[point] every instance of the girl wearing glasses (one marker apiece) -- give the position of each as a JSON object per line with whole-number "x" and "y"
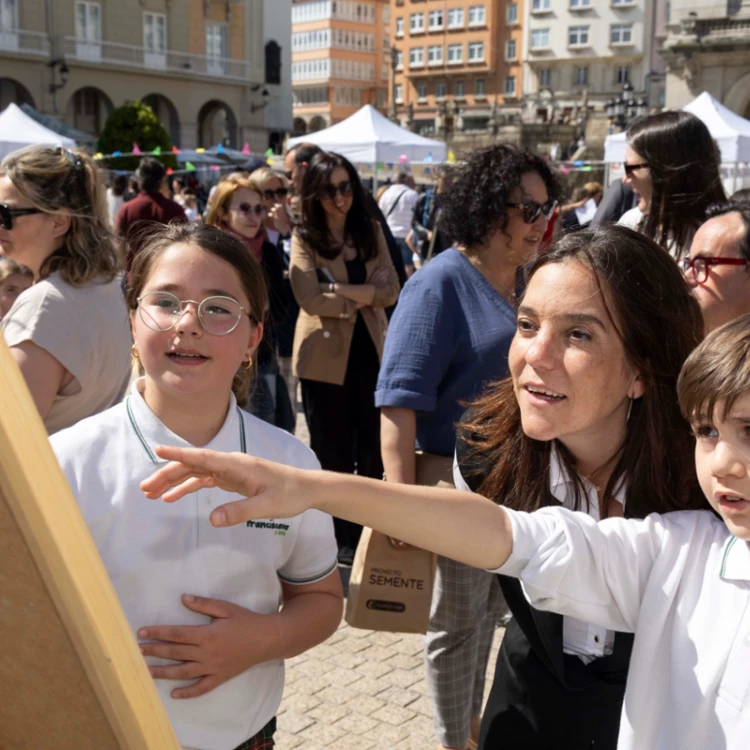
{"x": 343, "y": 278}
{"x": 672, "y": 163}
{"x": 69, "y": 333}
{"x": 449, "y": 337}
{"x": 204, "y": 605}
{"x": 237, "y": 208}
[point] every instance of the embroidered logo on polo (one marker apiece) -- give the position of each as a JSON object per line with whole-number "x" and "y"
{"x": 279, "y": 529}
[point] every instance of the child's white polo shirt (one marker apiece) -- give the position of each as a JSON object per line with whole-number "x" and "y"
{"x": 681, "y": 583}
{"x": 154, "y": 551}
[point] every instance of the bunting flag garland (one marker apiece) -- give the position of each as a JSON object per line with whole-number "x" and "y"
{"x": 402, "y": 159}
{"x": 268, "y": 152}
{"x": 220, "y": 149}
{"x": 215, "y": 168}
{"x": 157, "y": 151}
{"x": 117, "y": 153}
{"x": 98, "y": 156}
{"x": 200, "y": 150}
{"x": 451, "y": 157}
{"x": 170, "y": 170}
{"x": 246, "y": 149}
{"x": 428, "y": 159}
{"x": 136, "y": 150}
{"x": 189, "y": 166}
{"x": 175, "y": 150}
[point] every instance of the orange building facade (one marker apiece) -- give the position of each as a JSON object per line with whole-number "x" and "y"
{"x": 340, "y": 60}
{"x": 459, "y": 64}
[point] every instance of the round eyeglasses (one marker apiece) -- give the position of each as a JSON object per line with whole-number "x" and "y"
{"x": 699, "y": 265}
{"x": 219, "y": 316}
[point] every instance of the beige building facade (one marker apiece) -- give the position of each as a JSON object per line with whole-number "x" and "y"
{"x": 340, "y": 60}
{"x": 459, "y": 65}
{"x": 198, "y": 63}
{"x": 707, "y": 48}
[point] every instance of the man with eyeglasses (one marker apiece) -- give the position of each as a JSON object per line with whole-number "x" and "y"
{"x": 718, "y": 267}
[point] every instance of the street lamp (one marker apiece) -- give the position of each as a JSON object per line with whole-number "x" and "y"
{"x": 625, "y": 108}
{"x": 257, "y": 107}
{"x": 58, "y": 65}
{"x": 394, "y": 65}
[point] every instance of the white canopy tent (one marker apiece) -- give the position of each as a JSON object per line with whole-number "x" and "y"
{"x": 730, "y": 131}
{"x": 17, "y": 130}
{"x": 369, "y": 137}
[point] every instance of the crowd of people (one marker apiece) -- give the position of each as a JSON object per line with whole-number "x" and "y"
{"x": 561, "y": 376}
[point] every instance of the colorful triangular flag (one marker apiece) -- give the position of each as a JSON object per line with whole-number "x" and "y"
{"x": 220, "y": 149}
{"x": 170, "y": 170}
{"x": 200, "y": 150}
{"x": 117, "y": 153}
{"x": 246, "y": 149}
{"x": 157, "y": 151}
{"x": 268, "y": 152}
{"x": 189, "y": 166}
{"x": 214, "y": 167}
{"x": 136, "y": 150}
{"x": 175, "y": 150}
{"x": 98, "y": 156}
{"x": 451, "y": 157}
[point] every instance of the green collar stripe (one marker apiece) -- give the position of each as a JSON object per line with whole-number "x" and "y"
{"x": 147, "y": 448}
{"x": 138, "y": 432}
{"x": 726, "y": 554}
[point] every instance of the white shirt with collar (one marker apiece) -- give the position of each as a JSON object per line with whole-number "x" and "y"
{"x": 681, "y": 583}
{"x": 580, "y": 638}
{"x": 154, "y": 551}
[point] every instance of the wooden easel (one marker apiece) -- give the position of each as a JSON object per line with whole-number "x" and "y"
{"x": 71, "y": 674}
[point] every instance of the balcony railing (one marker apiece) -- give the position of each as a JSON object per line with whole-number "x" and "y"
{"x": 171, "y": 61}
{"x": 25, "y": 42}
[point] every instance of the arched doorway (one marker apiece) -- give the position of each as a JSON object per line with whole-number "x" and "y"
{"x": 167, "y": 114}
{"x": 317, "y": 123}
{"x": 217, "y": 124}
{"x": 12, "y": 92}
{"x": 300, "y": 126}
{"x": 88, "y": 110}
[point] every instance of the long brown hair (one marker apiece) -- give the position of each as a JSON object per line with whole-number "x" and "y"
{"x": 313, "y": 229}
{"x": 59, "y": 180}
{"x": 659, "y": 324}
{"x": 218, "y": 243}
{"x": 683, "y": 162}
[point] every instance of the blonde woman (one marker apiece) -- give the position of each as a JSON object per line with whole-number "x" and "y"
{"x": 237, "y": 208}
{"x": 69, "y": 333}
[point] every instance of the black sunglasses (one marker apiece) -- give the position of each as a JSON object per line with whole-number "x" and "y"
{"x": 630, "y": 168}
{"x": 7, "y": 214}
{"x": 278, "y": 193}
{"x": 344, "y": 188}
{"x": 533, "y": 210}
{"x": 246, "y": 208}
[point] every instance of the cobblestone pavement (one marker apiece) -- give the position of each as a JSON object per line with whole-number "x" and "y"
{"x": 360, "y": 690}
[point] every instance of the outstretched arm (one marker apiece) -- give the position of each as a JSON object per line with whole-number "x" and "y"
{"x": 459, "y": 525}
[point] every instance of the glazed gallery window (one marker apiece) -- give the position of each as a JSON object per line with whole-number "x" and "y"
{"x": 578, "y": 36}
{"x": 476, "y": 51}
{"x": 455, "y": 54}
{"x": 540, "y": 39}
{"x": 416, "y": 23}
{"x": 477, "y": 16}
{"x": 456, "y": 18}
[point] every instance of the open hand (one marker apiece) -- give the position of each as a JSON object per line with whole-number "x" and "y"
{"x": 235, "y": 640}
{"x": 270, "y": 490}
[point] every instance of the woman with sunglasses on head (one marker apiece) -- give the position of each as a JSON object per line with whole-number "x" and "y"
{"x": 449, "y": 337}
{"x": 672, "y": 163}
{"x": 69, "y": 333}
{"x": 343, "y": 278}
{"x": 237, "y": 208}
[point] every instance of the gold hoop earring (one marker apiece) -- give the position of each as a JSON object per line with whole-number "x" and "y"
{"x": 247, "y": 365}
{"x": 134, "y": 352}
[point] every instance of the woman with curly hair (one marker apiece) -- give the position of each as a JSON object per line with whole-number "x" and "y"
{"x": 69, "y": 333}
{"x": 450, "y": 336}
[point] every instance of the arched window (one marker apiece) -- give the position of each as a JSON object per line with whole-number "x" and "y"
{"x": 273, "y": 62}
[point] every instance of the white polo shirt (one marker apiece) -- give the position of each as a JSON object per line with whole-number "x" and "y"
{"x": 154, "y": 551}
{"x": 681, "y": 583}
{"x": 581, "y": 639}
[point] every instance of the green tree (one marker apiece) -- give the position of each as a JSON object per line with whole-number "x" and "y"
{"x": 134, "y": 122}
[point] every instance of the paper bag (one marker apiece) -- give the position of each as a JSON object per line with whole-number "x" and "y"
{"x": 390, "y": 589}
